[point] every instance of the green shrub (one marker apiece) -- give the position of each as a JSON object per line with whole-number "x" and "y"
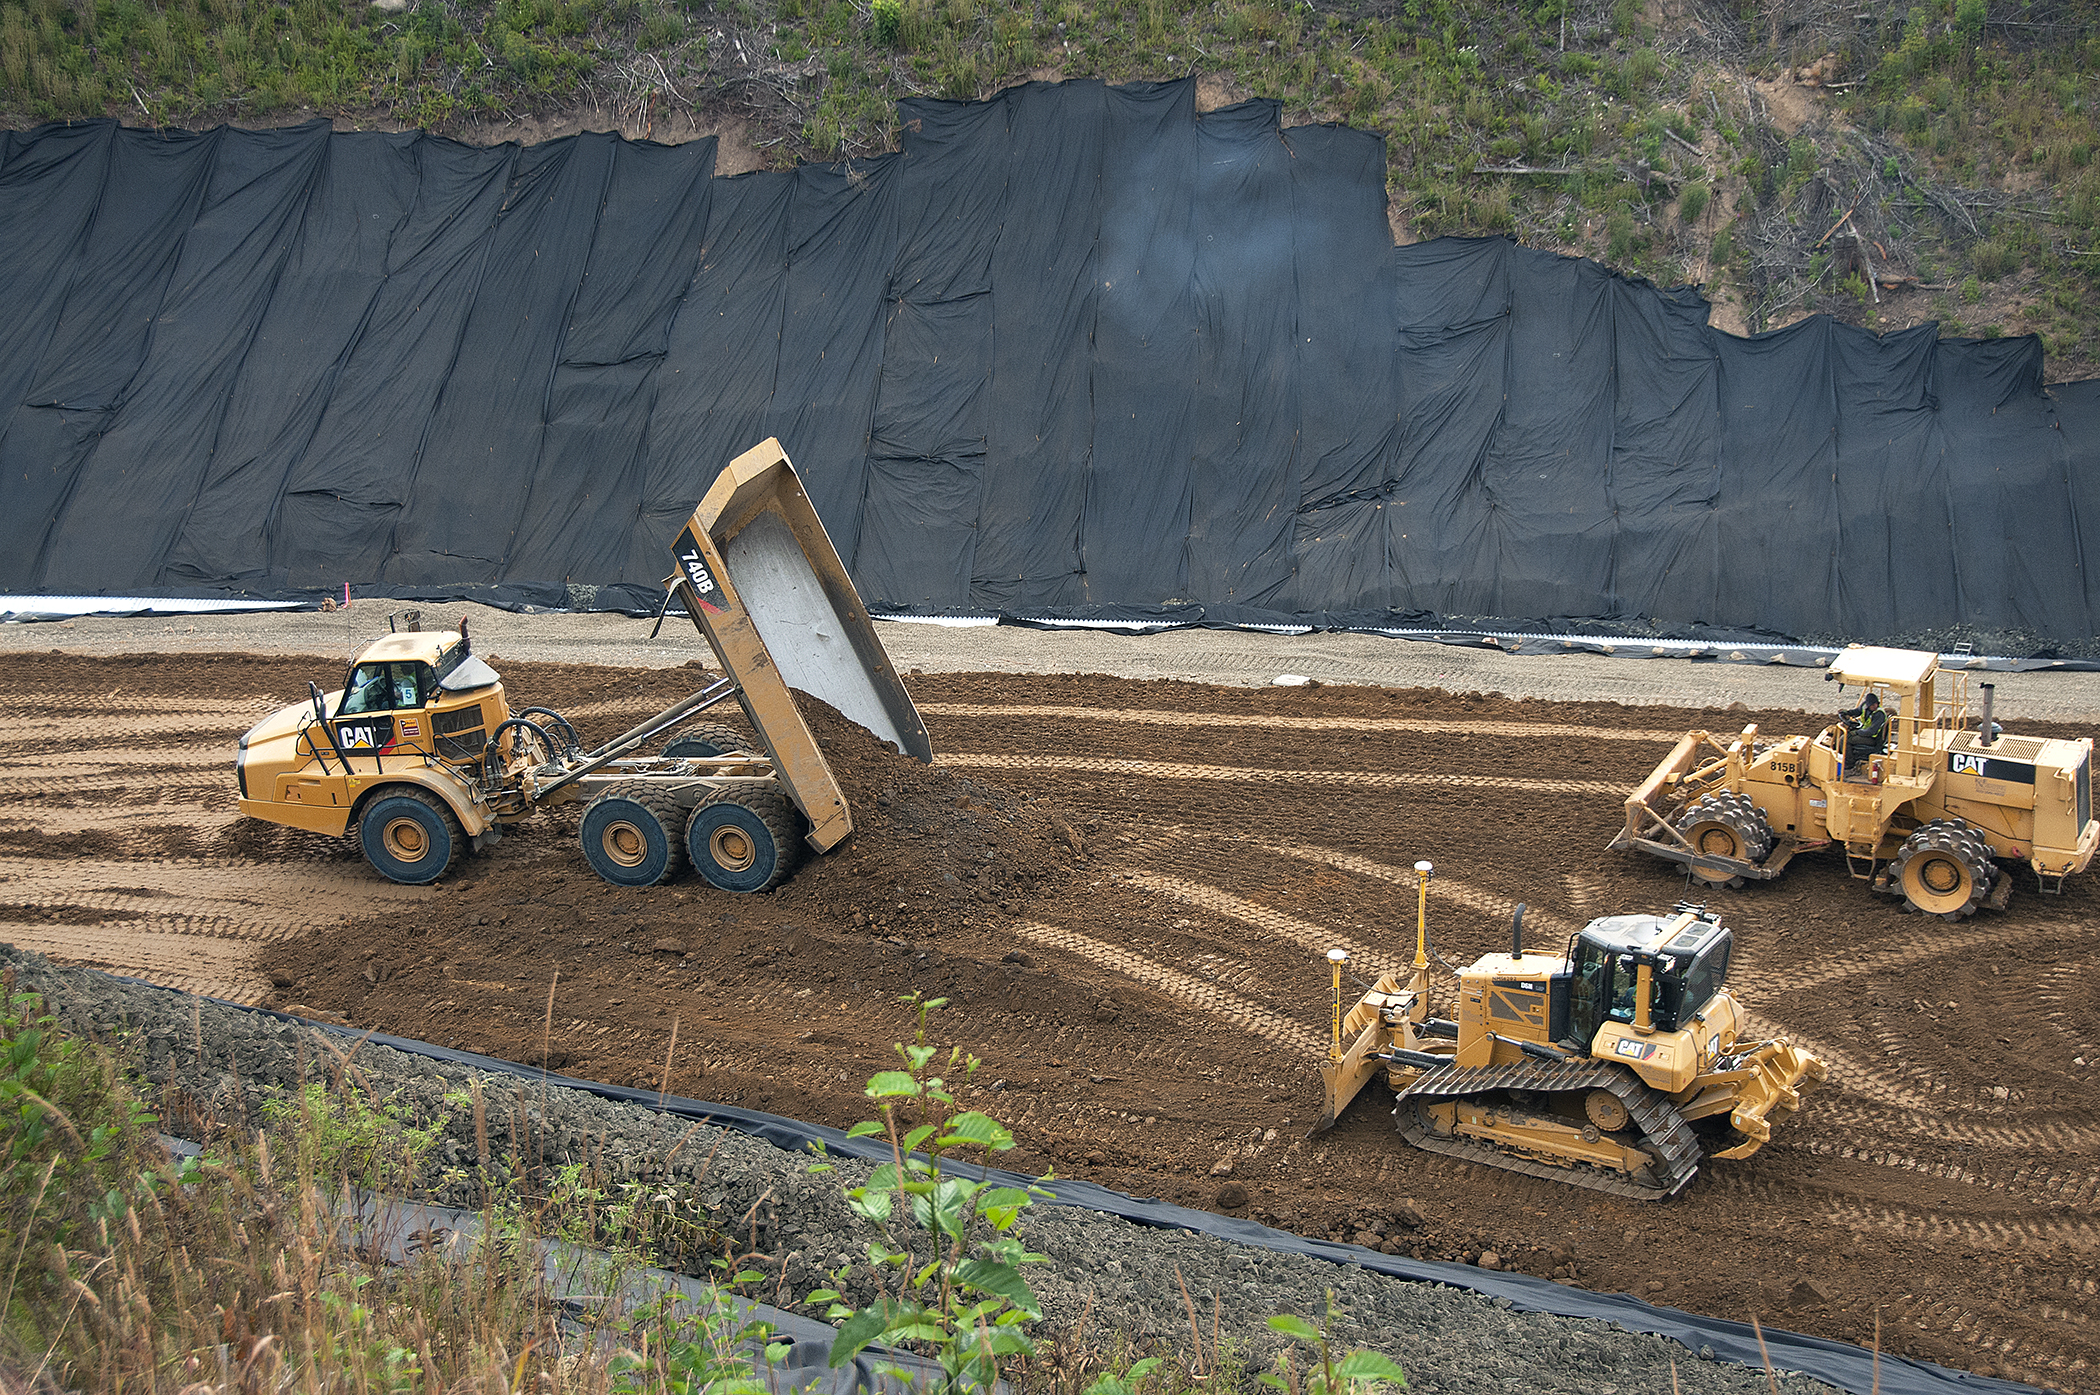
{"x": 889, "y": 20}
{"x": 1995, "y": 260}
{"x": 1618, "y": 236}
{"x": 1971, "y": 290}
{"x": 1692, "y": 203}
{"x": 661, "y": 30}
{"x": 1494, "y": 212}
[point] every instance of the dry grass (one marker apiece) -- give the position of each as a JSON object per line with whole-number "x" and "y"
{"x": 269, "y": 1266}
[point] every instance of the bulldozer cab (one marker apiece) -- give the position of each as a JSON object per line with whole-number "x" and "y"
{"x": 1680, "y": 960}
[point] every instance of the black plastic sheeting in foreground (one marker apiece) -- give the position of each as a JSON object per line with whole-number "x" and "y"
{"x": 1078, "y": 345}
{"x": 1840, "y": 1364}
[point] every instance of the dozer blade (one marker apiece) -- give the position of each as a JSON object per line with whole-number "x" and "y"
{"x": 1776, "y": 1076}
{"x": 1345, "y": 1076}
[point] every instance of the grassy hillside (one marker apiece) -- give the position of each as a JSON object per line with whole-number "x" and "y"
{"x": 1890, "y": 166}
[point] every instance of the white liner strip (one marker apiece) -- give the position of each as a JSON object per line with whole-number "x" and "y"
{"x": 11, "y": 606}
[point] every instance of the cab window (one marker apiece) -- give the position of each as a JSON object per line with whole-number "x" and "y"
{"x": 389, "y": 687}
{"x": 1706, "y": 975}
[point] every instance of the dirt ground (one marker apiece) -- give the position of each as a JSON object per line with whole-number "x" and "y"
{"x": 1125, "y": 889}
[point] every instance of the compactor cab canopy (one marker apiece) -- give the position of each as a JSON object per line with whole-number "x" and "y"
{"x": 1903, "y": 674}
{"x": 1685, "y": 954}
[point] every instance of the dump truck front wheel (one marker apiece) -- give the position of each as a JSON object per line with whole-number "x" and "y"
{"x": 1944, "y": 869}
{"x": 743, "y": 840}
{"x": 409, "y": 836}
{"x": 630, "y": 836}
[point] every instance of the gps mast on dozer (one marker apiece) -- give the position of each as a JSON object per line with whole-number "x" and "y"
{"x": 423, "y": 756}
{"x": 1924, "y": 819}
{"x": 1616, "y": 1068}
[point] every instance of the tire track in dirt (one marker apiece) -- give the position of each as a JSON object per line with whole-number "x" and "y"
{"x": 1441, "y": 888}
{"x": 1361, "y": 779}
{"x": 189, "y": 924}
{"x": 1207, "y": 997}
{"x": 1417, "y": 725}
{"x": 1837, "y": 964}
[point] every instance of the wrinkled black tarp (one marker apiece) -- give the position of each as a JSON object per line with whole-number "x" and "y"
{"x": 1075, "y": 346}
{"x": 1840, "y": 1364}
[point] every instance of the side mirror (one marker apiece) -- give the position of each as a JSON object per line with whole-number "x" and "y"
{"x": 320, "y": 704}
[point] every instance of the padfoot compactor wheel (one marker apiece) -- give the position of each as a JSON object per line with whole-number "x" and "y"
{"x": 1725, "y": 825}
{"x": 1944, "y": 869}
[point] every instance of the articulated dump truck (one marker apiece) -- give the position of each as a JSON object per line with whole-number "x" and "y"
{"x": 1618, "y": 1066}
{"x": 421, "y": 756}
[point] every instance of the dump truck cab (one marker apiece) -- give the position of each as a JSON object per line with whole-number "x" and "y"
{"x": 415, "y": 712}
{"x": 423, "y": 694}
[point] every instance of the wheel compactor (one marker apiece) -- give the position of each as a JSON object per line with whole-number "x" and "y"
{"x": 422, "y": 756}
{"x": 1927, "y": 813}
{"x": 1617, "y": 1066}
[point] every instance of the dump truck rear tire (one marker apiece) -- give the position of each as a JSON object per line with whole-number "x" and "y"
{"x": 409, "y": 835}
{"x": 708, "y": 739}
{"x": 743, "y": 840}
{"x": 1944, "y": 869}
{"x": 630, "y": 836}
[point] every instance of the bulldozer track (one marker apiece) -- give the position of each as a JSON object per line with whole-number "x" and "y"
{"x": 1264, "y": 775}
{"x": 1168, "y": 718}
{"x": 1660, "y": 1124}
{"x": 1196, "y": 992}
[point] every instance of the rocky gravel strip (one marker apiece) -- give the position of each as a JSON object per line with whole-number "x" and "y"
{"x": 227, "y": 1063}
{"x": 1231, "y": 657}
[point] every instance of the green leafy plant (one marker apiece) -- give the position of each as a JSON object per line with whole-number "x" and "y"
{"x": 714, "y": 1349}
{"x": 1692, "y": 203}
{"x": 952, "y": 1285}
{"x": 1356, "y": 1373}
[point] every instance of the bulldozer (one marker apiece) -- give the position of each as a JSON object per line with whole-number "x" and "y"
{"x": 1927, "y": 811}
{"x": 421, "y": 756}
{"x": 1618, "y": 1066}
